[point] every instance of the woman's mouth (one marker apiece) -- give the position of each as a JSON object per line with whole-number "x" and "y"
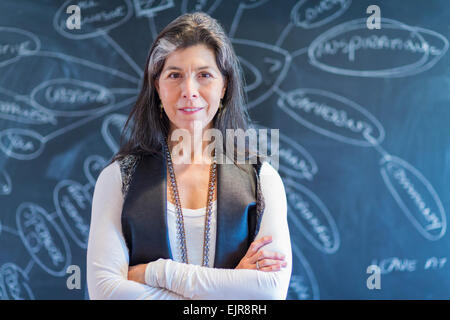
{"x": 190, "y": 110}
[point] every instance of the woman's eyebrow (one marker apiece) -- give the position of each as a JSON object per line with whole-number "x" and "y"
{"x": 177, "y": 68}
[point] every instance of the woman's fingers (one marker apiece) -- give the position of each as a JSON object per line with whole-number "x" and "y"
{"x": 273, "y": 267}
{"x": 267, "y": 260}
{"x": 264, "y": 254}
{"x": 257, "y": 244}
{"x": 270, "y": 262}
{"x": 247, "y": 262}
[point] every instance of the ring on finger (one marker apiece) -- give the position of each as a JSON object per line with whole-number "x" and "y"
{"x": 257, "y": 265}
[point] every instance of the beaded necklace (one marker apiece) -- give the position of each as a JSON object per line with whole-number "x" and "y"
{"x": 181, "y": 235}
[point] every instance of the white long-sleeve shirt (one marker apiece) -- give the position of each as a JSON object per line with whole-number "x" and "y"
{"x": 108, "y": 256}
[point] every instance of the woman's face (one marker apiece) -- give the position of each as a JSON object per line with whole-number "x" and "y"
{"x": 191, "y": 79}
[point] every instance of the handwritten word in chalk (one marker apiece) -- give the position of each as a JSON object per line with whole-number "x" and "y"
{"x": 396, "y": 264}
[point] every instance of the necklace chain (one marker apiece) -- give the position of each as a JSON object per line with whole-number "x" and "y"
{"x": 181, "y": 233}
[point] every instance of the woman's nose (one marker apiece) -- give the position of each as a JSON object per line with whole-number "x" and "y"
{"x": 190, "y": 89}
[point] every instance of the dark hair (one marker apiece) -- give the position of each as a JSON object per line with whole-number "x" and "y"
{"x": 144, "y": 130}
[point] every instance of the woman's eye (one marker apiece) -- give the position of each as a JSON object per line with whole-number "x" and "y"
{"x": 177, "y": 75}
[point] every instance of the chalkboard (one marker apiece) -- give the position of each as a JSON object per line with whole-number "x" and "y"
{"x": 360, "y": 97}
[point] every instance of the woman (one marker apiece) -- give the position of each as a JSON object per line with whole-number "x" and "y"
{"x": 151, "y": 237}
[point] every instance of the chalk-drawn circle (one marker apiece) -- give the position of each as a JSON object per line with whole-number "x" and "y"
{"x": 415, "y": 196}
{"x": 93, "y": 23}
{"x": 325, "y": 41}
{"x": 317, "y": 115}
{"x": 294, "y": 160}
{"x": 15, "y": 283}
{"x": 303, "y": 284}
{"x": 310, "y": 215}
{"x": 265, "y": 51}
{"x": 43, "y": 239}
{"x": 253, "y": 71}
{"x": 21, "y": 144}
{"x": 93, "y": 163}
{"x": 10, "y": 35}
{"x": 71, "y": 201}
{"x": 309, "y": 20}
{"x": 111, "y": 129}
{"x": 71, "y": 97}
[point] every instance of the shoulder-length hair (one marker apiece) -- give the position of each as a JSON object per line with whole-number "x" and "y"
{"x": 144, "y": 130}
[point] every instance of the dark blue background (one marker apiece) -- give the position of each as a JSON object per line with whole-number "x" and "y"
{"x": 345, "y": 190}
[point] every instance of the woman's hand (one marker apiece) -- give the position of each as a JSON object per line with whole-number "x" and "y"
{"x": 267, "y": 260}
{"x": 137, "y": 273}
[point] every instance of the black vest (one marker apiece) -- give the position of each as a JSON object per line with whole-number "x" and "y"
{"x": 144, "y": 213}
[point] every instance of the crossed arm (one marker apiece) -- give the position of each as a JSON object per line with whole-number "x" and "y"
{"x": 108, "y": 260}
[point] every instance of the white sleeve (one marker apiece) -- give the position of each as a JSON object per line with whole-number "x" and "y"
{"x": 198, "y": 282}
{"x": 107, "y": 253}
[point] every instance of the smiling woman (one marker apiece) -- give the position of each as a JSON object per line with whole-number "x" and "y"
{"x": 190, "y": 87}
{"x": 151, "y": 235}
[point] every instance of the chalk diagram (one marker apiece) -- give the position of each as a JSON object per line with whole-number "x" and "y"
{"x": 62, "y": 104}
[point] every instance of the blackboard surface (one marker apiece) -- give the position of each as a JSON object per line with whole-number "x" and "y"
{"x": 363, "y": 114}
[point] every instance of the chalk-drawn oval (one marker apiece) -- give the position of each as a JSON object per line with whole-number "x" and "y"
{"x": 18, "y": 109}
{"x": 294, "y": 160}
{"x": 15, "y": 282}
{"x": 349, "y": 37}
{"x": 310, "y": 14}
{"x": 310, "y": 215}
{"x": 303, "y": 284}
{"x": 316, "y": 114}
{"x": 94, "y": 18}
{"x": 71, "y": 97}
{"x": 21, "y": 144}
{"x": 73, "y": 205}
{"x": 5, "y": 184}
{"x": 251, "y": 72}
{"x": 415, "y": 196}
{"x": 111, "y": 129}
{"x": 43, "y": 239}
{"x": 17, "y": 43}
{"x": 92, "y": 167}
{"x": 261, "y": 61}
